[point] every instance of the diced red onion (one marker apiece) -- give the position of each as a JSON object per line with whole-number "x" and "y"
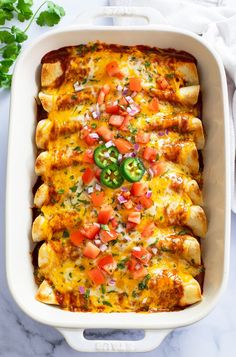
{"x": 124, "y": 189}
{"x": 144, "y": 300}
{"x": 121, "y": 199}
{"x": 137, "y": 249}
{"x": 148, "y": 193}
{"x": 98, "y": 187}
{"x": 138, "y": 266}
{"x": 130, "y": 154}
{"x": 78, "y": 87}
{"x": 95, "y": 114}
{"x": 127, "y": 238}
{"x": 94, "y": 135}
{"x": 96, "y": 224}
{"x": 111, "y": 282}
{"x": 119, "y": 88}
{"x": 154, "y": 250}
{"x": 115, "y": 102}
{"x": 109, "y": 144}
{"x": 87, "y": 116}
{"x": 129, "y": 99}
{"x": 125, "y": 91}
{"x": 90, "y": 189}
{"x": 103, "y": 247}
{"x": 133, "y": 94}
{"x": 161, "y": 133}
{"x": 97, "y": 242}
{"x": 151, "y": 173}
{"x": 139, "y": 207}
{"x": 119, "y": 157}
{"x": 167, "y": 131}
{"x": 136, "y": 147}
{"x": 81, "y": 289}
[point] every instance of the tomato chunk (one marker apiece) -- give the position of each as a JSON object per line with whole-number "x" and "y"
{"x": 102, "y": 94}
{"x": 88, "y": 157}
{"x": 123, "y": 145}
{"x": 134, "y": 217}
{"x": 105, "y": 215}
{"x": 139, "y": 188}
{"x": 142, "y": 137}
{"x": 158, "y": 168}
{"x": 107, "y": 236}
{"x": 141, "y": 254}
{"x": 135, "y": 84}
{"x": 140, "y": 273}
{"x": 154, "y": 105}
{"x": 112, "y": 108}
{"x": 107, "y": 263}
{"x": 87, "y": 176}
{"x": 96, "y": 276}
{"x": 129, "y": 204}
{"x": 162, "y": 83}
{"x": 148, "y": 230}
{"x": 91, "y": 250}
{"x": 125, "y": 124}
{"x": 132, "y": 264}
{"x": 116, "y": 120}
{"x": 150, "y": 154}
{"x": 113, "y": 70}
{"x": 76, "y": 237}
{"x": 97, "y": 198}
{"x": 90, "y": 231}
{"x": 145, "y": 201}
{"x": 90, "y": 140}
{"x": 105, "y": 133}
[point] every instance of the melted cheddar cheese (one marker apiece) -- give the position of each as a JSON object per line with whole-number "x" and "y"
{"x": 135, "y": 246}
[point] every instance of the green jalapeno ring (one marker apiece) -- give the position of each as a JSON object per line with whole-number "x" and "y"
{"x": 111, "y": 176}
{"x": 132, "y": 169}
{"x": 104, "y": 156}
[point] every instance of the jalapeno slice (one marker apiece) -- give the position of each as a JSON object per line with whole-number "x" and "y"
{"x": 104, "y": 156}
{"x": 132, "y": 169}
{"x": 111, "y": 176}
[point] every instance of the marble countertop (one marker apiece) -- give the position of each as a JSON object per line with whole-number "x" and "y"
{"x": 214, "y": 336}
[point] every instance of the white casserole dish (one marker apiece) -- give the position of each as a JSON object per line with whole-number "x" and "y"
{"x": 21, "y": 178}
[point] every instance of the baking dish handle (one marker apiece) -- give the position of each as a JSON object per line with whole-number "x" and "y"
{"x": 75, "y": 338}
{"x": 152, "y": 16}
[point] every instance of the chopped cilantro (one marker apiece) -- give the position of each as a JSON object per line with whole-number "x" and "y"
{"x": 73, "y": 188}
{"x": 103, "y": 289}
{"x": 143, "y": 284}
{"x": 66, "y": 234}
{"x": 87, "y": 294}
{"x": 61, "y": 191}
{"x": 94, "y": 125}
{"x": 121, "y": 264}
{"x": 107, "y": 303}
{"x": 81, "y": 268}
{"x": 105, "y": 227}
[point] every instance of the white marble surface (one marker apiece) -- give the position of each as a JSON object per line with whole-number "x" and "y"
{"x": 215, "y": 336}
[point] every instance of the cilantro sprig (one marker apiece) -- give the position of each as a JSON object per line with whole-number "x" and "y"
{"x": 11, "y": 38}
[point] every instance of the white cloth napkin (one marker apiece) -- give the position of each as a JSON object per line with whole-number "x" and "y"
{"x": 217, "y": 24}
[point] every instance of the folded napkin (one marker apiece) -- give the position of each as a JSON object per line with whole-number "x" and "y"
{"x": 217, "y": 24}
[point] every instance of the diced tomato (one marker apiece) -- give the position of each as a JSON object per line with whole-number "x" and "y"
{"x": 105, "y": 215}
{"x": 113, "y": 70}
{"x": 125, "y": 125}
{"x": 142, "y": 137}
{"x": 84, "y": 131}
{"x": 96, "y": 276}
{"x": 162, "y": 83}
{"x": 128, "y": 204}
{"x": 123, "y": 101}
{"x": 76, "y": 237}
{"x": 88, "y": 157}
{"x": 97, "y": 172}
{"x": 134, "y": 217}
{"x": 140, "y": 273}
{"x": 91, "y": 250}
{"x": 150, "y": 154}
{"x": 148, "y": 230}
{"x": 105, "y": 133}
{"x": 135, "y": 84}
{"x": 130, "y": 226}
{"x": 107, "y": 236}
{"x": 141, "y": 254}
{"x": 102, "y": 94}
{"x": 154, "y": 105}
{"x": 158, "y": 168}
{"x": 114, "y": 222}
{"x": 87, "y": 176}
{"x": 139, "y": 188}
{"x": 90, "y": 231}
{"x": 90, "y": 140}
{"x": 123, "y": 145}
{"x": 107, "y": 263}
{"x": 116, "y": 120}
{"x": 112, "y": 108}
{"x": 97, "y": 198}
{"x": 145, "y": 201}
{"x": 132, "y": 263}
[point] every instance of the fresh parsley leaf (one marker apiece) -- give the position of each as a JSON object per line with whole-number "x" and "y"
{"x": 51, "y": 16}
{"x": 24, "y": 9}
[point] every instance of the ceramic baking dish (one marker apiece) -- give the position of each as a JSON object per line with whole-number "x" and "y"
{"x": 21, "y": 178}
